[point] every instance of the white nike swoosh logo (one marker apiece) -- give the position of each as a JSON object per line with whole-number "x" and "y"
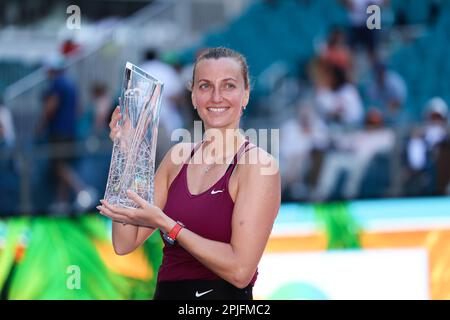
{"x": 216, "y": 191}
{"x": 203, "y": 293}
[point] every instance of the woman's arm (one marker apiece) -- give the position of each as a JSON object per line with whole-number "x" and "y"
{"x": 126, "y": 238}
{"x": 256, "y": 207}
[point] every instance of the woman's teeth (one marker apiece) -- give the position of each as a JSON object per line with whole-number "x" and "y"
{"x": 217, "y": 109}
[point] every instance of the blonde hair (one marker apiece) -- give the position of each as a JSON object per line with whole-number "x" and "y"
{"x": 223, "y": 52}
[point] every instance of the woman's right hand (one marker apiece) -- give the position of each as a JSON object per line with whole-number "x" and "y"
{"x": 115, "y": 129}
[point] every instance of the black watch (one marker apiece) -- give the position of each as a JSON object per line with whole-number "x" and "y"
{"x": 169, "y": 240}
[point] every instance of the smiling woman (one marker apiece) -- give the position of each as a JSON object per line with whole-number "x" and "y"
{"x": 220, "y": 88}
{"x": 214, "y": 215}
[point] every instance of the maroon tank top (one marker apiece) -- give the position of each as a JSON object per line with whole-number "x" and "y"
{"x": 207, "y": 214}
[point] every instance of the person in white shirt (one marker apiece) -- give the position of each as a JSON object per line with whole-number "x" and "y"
{"x": 424, "y": 140}
{"x": 299, "y": 136}
{"x": 388, "y": 91}
{"x": 337, "y": 100}
{"x": 428, "y": 152}
{"x": 353, "y": 155}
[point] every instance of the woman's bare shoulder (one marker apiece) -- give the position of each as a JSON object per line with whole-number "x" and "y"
{"x": 252, "y": 166}
{"x": 259, "y": 176}
{"x": 257, "y": 160}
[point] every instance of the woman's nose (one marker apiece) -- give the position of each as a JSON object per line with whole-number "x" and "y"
{"x": 217, "y": 95}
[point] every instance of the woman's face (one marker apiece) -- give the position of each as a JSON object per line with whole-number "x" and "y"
{"x": 219, "y": 92}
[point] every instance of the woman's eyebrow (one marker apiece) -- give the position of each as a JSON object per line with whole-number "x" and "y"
{"x": 226, "y": 79}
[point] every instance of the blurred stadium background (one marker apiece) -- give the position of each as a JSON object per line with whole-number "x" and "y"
{"x": 364, "y": 140}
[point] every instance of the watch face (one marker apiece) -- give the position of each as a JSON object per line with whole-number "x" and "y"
{"x": 168, "y": 239}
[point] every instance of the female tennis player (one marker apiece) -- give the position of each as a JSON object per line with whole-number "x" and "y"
{"x": 214, "y": 215}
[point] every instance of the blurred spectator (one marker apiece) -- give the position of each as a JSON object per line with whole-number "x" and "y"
{"x": 93, "y": 130}
{"x": 9, "y": 181}
{"x": 58, "y": 124}
{"x": 94, "y": 121}
{"x": 102, "y": 106}
{"x": 387, "y": 90}
{"x": 59, "y": 103}
{"x": 7, "y": 134}
{"x": 353, "y": 153}
{"x": 434, "y": 131}
{"x": 337, "y": 99}
{"x": 360, "y": 35}
{"x": 336, "y": 52}
{"x": 416, "y": 151}
{"x": 299, "y": 137}
{"x": 7, "y": 139}
{"x": 426, "y": 149}
{"x": 442, "y": 167}
{"x": 436, "y": 127}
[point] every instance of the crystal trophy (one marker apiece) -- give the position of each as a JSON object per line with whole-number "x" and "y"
{"x": 132, "y": 164}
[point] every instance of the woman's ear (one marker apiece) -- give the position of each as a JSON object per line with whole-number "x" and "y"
{"x": 193, "y": 100}
{"x": 246, "y": 98}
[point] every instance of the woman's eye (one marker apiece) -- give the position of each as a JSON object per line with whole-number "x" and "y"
{"x": 230, "y": 86}
{"x": 204, "y": 86}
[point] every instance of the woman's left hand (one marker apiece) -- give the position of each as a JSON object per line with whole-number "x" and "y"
{"x": 146, "y": 215}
